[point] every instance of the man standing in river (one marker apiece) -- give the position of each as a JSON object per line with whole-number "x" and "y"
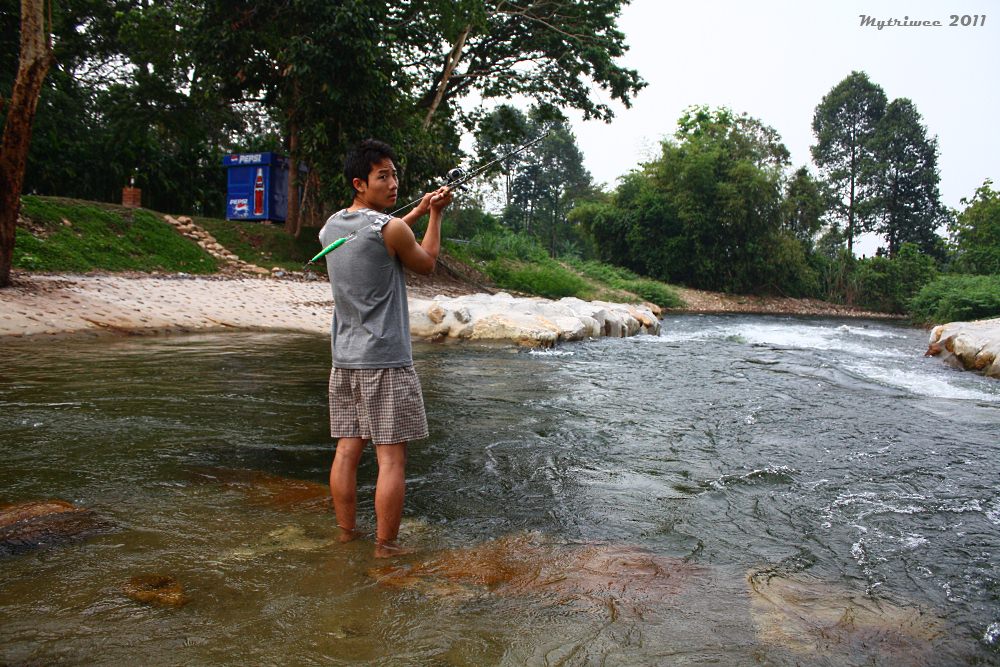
{"x": 374, "y": 391}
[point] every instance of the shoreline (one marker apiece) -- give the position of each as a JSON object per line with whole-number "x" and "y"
{"x": 46, "y": 305}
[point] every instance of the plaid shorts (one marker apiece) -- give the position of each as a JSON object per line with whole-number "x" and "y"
{"x": 384, "y": 405}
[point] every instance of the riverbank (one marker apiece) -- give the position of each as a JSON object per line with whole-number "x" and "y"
{"x": 55, "y": 304}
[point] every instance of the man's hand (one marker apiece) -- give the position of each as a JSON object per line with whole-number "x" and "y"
{"x": 425, "y": 205}
{"x": 439, "y": 199}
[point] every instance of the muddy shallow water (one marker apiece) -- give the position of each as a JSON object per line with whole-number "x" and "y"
{"x": 739, "y": 490}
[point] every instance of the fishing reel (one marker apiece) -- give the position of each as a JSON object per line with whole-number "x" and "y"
{"x": 456, "y": 178}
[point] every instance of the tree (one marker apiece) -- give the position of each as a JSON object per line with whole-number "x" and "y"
{"x": 499, "y": 133}
{"x": 975, "y": 233}
{"x": 320, "y": 67}
{"x": 33, "y": 64}
{"x": 905, "y": 180}
{"x": 541, "y": 183}
{"x": 708, "y": 211}
{"x": 552, "y": 52}
{"x": 551, "y": 180}
{"x": 844, "y": 123}
{"x": 805, "y": 205}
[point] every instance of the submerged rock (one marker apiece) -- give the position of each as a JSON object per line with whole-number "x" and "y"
{"x": 288, "y": 538}
{"x": 612, "y": 578}
{"x": 968, "y": 345}
{"x": 815, "y": 618}
{"x": 156, "y": 589}
{"x": 31, "y": 525}
{"x": 261, "y": 488}
{"x": 528, "y": 321}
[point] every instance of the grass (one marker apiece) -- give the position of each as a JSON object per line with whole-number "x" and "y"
{"x": 74, "y": 235}
{"x": 618, "y": 278}
{"x": 520, "y": 263}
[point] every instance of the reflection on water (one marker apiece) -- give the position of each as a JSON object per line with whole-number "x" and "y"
{"x": 740, "y": 490}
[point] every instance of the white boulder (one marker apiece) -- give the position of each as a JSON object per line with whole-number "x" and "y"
{"x": 527, "y": 320}
{"x": 969, "y": 345}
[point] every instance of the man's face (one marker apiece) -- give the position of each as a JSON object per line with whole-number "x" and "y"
{"x": 380, "y": 190}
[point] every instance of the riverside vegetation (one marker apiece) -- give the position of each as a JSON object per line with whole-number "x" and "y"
{"x": 67, "y": 235}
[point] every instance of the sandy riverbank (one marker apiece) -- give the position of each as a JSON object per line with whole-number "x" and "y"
{"x": 39, "y": 304}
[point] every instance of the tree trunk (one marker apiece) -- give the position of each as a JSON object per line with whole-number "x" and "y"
{"x": 33, "y": 64}
{"x": 292, "y": 222}
{"x": 450, "y": 64}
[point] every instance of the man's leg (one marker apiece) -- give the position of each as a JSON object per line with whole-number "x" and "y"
{"x": 344, "y": 484}
{"x": 389, "y": 491}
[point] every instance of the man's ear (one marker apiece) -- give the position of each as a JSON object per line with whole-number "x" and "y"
{"x": 357, "y": 183}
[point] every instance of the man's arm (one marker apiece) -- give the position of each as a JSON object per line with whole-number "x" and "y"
{"x": 418, "y": 211}
{"x": 401, "y": 242}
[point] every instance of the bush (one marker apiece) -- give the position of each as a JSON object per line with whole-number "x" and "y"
{"x": 957, "y": 298}
{"x": 545, "y": 278}
{"x": 876, "y": 283}
{"x": 506, "y": 245}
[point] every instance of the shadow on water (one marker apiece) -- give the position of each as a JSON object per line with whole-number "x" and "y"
{"x": 740, "y": 490}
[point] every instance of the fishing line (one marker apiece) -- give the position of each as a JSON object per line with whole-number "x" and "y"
{"x": 456, "y": 178}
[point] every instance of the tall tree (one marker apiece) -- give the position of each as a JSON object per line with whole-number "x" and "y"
{"x": 905, "y": 180}
{"x": 499, "y": 133}
{"x": 844, "y": 123}
{"x": 551, "y": 180}
{"x": 33, "y": 64}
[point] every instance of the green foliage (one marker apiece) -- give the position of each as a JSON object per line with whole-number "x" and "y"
{"x": 518, "y": 262}
{"x": 507, "y": 245}
{"x": 806, "y": 204}
{"x": 975, "y": 233}
{"x": 101, "y": 237}
{"x": 905, "y": 179}
{"x": 622, "y": 279}
{"x": 844, "y": 123}
{"x": 544, "y": 277}
{"x": 542, "y": 183}
{"x": 957, "y": 298}
{"x": 876, "y": 283}
{"x": 707, "y": 213}
{"x": 464, "y": 222}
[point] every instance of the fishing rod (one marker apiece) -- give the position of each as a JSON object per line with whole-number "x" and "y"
{"x": 456, "y": 178}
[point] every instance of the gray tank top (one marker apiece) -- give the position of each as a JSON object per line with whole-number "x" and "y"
{"x": 371, "y": 318}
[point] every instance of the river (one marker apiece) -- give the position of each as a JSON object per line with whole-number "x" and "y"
{"x": 738, "y": 490}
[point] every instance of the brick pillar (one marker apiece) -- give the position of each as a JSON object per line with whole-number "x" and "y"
{"x": 131, "y": 197}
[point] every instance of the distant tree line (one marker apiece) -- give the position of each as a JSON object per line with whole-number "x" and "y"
{"x": 721, "y": 207}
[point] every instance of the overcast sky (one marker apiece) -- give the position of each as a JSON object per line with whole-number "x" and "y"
{"x": 776, "y": 59}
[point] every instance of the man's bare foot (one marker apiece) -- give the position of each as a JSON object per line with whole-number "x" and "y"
{"x": 387, "y": 549}
{"x": 347, "y": 534}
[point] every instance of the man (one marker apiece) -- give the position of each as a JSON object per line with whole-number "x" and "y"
{"x": 374, "y": 391}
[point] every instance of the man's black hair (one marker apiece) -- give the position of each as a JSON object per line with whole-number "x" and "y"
{"x": 359, "y": 160}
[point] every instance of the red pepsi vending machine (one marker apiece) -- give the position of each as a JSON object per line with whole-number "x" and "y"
{"x": 256, "y": 186}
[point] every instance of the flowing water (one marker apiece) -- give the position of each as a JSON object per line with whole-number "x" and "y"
{"x": 739, "y": 490}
